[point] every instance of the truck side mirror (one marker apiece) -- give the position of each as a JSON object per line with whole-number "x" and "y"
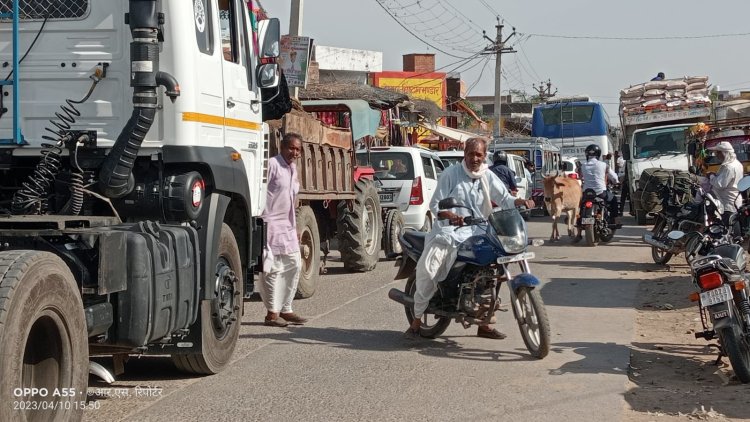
{"x": 270, "y": 35}
{"x": 691, "y": 149}
{"x": 692, "y": 170}
{"x": 626, "y": 152}
{"x": 268, "y": 75}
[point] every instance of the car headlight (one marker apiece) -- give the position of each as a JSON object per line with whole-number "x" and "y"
{"x": 513, "y": 244}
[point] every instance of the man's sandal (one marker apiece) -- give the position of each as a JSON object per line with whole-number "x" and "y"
{"x": 491, "y": 334}
{"x": 293, "y": 318}
{"x": 276, "y": 322}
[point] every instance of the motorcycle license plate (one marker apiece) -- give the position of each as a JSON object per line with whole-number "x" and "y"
{"x": 514, "y": 258}
{"x": 587, "y": 220}
{"x": 715, "y": 296}
{"x": 386, "y": 197}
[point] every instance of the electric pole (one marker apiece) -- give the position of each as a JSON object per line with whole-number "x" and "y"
{"x": 498, "y": 48}
{"x": 295, "y": 28}
{"x": 545, "y": 93}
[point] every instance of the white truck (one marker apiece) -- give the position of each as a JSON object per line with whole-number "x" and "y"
{"x": 129, "y": 223}
{"x": 653, "y": 117}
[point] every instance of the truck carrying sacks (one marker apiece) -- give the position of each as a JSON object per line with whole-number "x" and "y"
{"x": 667, "y": 95}
{"x": 651, "y": 182}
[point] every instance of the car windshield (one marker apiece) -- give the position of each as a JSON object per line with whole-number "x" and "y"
{"x": 389, "y": 165}
{"x": 650, "y": 143}
{"x": 449, "y": 161}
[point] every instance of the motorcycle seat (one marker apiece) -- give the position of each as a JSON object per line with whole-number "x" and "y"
{"x": 415, "y": 239}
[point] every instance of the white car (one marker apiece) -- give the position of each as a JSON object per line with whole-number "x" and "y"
{"x": 568, "y": 167}
{"x": 408, "y": 179}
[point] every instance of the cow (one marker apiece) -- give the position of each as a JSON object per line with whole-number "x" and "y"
{"x": 562, "y": 194}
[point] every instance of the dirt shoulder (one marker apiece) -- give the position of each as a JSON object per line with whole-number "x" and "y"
{"x": 672, "y": 374}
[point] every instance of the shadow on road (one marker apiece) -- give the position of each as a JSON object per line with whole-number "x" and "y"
{"x": 620, "y": 266}
{"x": 589, "y": 293}
{"x": 598, "y": 358}
{"x": 680, "y": 378}
{"x": 389, "y": 341}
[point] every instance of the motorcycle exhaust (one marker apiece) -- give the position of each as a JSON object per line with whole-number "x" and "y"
{"x": 655, "y": 243}
{"x": 400, "y": 297}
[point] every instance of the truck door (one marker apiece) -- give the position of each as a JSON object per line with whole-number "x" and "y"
{"x": 243, "y": 128}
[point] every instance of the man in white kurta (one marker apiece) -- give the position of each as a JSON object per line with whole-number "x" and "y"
{"x": 477, "y": 188}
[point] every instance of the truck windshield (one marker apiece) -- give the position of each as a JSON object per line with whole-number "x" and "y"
{"x": 660, "y": 141}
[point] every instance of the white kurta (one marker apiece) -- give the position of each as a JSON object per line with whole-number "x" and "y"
{"x": 724, "y": 184}
{"x": 441, "y": 245}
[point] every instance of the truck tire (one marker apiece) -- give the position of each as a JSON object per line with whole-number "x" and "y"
{"x": 219, "y": 320}
{"x": 309, "y": 248}
{"x": 359, "y": 230}
{"x": 43, "y": 337}
{"x": 394, "y": 227}
{"x": 640, "y": 217}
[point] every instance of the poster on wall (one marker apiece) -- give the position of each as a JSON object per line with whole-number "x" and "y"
{"x": 295, "y": 58}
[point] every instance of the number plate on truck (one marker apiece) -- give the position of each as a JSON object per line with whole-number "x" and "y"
{"x": 386, "y": 197}
{"x": 719, "y": 295}
{"x": 587, "y": 220}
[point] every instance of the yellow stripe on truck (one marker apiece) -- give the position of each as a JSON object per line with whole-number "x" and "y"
{"x": 220, "y": 121}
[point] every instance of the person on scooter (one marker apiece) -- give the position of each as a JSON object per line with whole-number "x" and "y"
{"x": 597, "y": 175}
{"x": 473, "y": 186}
{"x": 724, "y": 182}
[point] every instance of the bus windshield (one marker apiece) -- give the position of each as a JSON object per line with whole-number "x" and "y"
{"x": 568, "y": 114}
{"x": 660, "y": 141}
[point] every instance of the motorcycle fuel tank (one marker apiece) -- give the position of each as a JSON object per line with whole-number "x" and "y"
{"x": 477, "y": 250}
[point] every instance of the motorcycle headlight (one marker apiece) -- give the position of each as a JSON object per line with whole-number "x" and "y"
{"x": 514, "y": 244}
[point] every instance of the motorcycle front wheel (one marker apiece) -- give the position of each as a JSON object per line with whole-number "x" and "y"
{"x": 737, "y": 349}
{"x": 427, "y": 330}
{"x": 532, "y": 321}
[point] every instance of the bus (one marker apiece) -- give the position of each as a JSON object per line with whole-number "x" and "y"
{"x": 573, "y": 124}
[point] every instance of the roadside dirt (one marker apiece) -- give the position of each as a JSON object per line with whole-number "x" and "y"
{"x": 673, "y": 375}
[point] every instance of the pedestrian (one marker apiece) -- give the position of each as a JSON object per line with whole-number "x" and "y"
{"x": 281, "y": 255}
{"x": 659, "y": 77}
{"x": 724, "y": 182}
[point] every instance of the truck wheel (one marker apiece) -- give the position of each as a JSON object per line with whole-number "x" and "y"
{"x": 394, "y": 227}
{"x": 309, "y": 248}
{"x": 219, "y": 322}
{"x": 359, "y": 230}
{"x": 640, "y": 217}
{"x": 43, "y": 337}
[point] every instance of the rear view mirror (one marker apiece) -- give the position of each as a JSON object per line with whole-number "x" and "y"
{"x": 744, "y": 184}
{"x": 270, "y": 34}
{"x": 626, "y": 152}
{"x": 268, "y": 75}
{"x": 448, "y": 203}
{"x": 694, "y": 170}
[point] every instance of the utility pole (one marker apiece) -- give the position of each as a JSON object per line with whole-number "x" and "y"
{"x": 498, "y": 48}
{"x": 545, "y": 93}
{"x": 295, "y": 28}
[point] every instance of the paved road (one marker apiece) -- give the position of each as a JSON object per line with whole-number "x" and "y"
{"x": 351, "y": 362}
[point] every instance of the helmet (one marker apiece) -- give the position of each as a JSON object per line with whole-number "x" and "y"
{"x": 593, "y": 150}
{"x": 499, "y": 157}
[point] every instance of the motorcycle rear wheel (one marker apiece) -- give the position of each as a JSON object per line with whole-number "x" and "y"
{"x": 737, "y": 349}
{"x": 427, "y": 330}
{"x": 590, "y": 238}
{"x": 659, "y": 231}
{"x": 533, "y": 321}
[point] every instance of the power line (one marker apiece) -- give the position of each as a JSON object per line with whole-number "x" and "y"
{"x": 663, "y": 38}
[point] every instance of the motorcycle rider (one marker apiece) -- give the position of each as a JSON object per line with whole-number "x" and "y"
{"x": 475, "y": 187}
{"x": 724, "y": 182}
{"x": 597, "y": 175}
{"x": 501, "y": 169}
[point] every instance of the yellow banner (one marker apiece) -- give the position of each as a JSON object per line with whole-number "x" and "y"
{"x": 422, "y": 88}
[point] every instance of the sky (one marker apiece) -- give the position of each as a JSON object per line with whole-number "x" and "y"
{"x": 576, "y": 66}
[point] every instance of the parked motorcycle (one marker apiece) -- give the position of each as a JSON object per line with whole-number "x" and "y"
{"x": 594, "y": 219}
{"x": 718, "y": 270}
{"x": 470, "y": 294}
{"x": 691, "y": 218}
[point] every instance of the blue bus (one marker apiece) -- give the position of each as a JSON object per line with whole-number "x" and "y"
{"x": 572, "y": 125}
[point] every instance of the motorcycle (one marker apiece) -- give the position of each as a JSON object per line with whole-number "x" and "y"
{"x": 470, "y": 294}
{"x": 691, "y": 218}
{"x": 718, "y": 270}
{"x": 594, "y": 218}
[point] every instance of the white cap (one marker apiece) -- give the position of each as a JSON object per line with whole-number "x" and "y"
{"x": 721, "y": 146}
